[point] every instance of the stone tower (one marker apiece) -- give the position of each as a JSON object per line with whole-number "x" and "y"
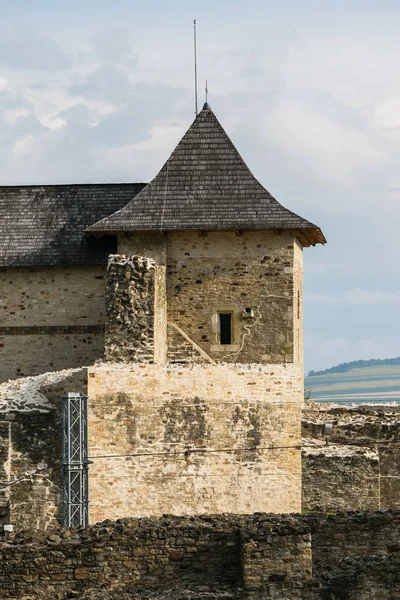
{"x": 198, "y": 405}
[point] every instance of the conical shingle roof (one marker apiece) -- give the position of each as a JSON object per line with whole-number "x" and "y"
{"x": 205, "y": 185}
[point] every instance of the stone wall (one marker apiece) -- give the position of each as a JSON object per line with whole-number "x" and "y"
{"x": 344, "y": 557}
{"x": 298, "y": 330}
{"x": 30, "y": 447}
{"x": 226, "y": 271}
{"x": 276, "y": 558}
{"x": 336, "y": 537}
{"x": 339, "y": 478}
{"x": 51, "y": 318}
{"x": 372, "y": 427}
{"x": 129, "y": 333}
{"x": 194, "y": 439}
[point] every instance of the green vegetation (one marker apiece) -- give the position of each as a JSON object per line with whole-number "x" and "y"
{"x": 356, "y": 364}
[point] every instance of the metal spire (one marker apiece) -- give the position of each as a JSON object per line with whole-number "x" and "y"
{"x": 195, "y": 67}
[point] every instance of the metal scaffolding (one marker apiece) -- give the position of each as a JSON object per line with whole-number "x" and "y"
{"x": 75, "y": 460}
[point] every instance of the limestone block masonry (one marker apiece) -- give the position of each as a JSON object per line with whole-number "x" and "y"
{"x": 208, "y": 272}
{"x": 51, "y": 318}
{"x": 194, "y": 439}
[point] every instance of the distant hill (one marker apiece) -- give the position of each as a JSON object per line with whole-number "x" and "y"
{"x": 357, "y": 364}
{"x": 378, "y": 383}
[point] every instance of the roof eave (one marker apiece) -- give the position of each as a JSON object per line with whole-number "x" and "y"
{"x": 307, "y": 236}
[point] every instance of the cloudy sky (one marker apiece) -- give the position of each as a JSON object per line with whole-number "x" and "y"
{"x": 101, "y": 91}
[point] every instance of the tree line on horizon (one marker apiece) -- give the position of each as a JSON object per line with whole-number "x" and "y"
{"x": 356, "y": 364}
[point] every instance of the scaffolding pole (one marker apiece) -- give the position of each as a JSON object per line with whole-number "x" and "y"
{"x": 75, "y": 460}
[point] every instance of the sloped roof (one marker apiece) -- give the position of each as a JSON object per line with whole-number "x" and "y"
{"x": 206, "y": 185}
{"x": 43, "y": 224}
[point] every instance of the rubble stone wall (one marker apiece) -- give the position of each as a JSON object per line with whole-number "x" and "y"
{"x": 51, "y": 318}
{"x": 370, "y": 427}
{"x": 247, "y": 557}
{"x": 129, "y": 334}
{"x": 30, "y": 447}
{"x": 340, "y": 478}
{"x": 336, "y": 537}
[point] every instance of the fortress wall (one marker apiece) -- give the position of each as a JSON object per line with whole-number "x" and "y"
{"x": 30, "y": 443}
{"x": 222, "y": 416}
{"x": 373, "y": 427}
{"x": 247, "y": 557}
{"x": 340, "y": 478}
{"x": 51, "y": 318}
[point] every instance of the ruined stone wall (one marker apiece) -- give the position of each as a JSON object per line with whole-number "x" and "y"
{"x": 191, "y": 440}
{"x": 153, "y": 247}
{"x": 276, "y": 558}
{"x": 129, "y": 331}
{"x": 340, "y": 478}
{"x": 30, "y": 447}
{"x": 4, "y": 471}
{"x": 51, "y": 318}
{"x": 372, "y": 427}
{"x": 363, "y": 578}
{"x": 336, "y": 537}
{"x": 287, "y": 557}
{"x": 224, "y": 271}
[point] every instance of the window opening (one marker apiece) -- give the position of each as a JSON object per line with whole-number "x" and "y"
{"x": 225, "y": 328}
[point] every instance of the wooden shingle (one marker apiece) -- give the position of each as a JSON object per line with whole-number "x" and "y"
{"x": 43, "y": 224}
{"x": 206, "y": 185}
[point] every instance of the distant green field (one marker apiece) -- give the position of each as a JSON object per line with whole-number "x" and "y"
{"x": 368, "y": 384}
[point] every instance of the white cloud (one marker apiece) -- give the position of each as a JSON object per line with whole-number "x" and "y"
{"x": 3, "y": 83}
{"x": 115, "y": 46}
{"x": 28, "y": 50}
{"x": 355, "y": 296}
{"x": 24, "y": 146}
{"x": 328, "y": 352}
{"x": 104, "y": 83}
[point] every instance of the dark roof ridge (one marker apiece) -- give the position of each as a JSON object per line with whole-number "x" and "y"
{"x": 48, "y": 185}
{"x": 206, "y": 185}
